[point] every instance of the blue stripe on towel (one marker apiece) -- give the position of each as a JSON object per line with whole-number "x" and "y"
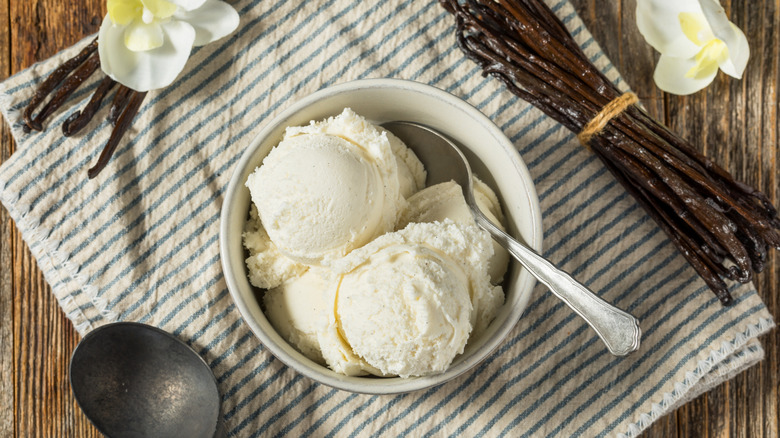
{"x": 153, "y": 255}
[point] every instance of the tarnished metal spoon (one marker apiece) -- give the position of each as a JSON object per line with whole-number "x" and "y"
{"x": 444, "y": 161}
{"x": 135, "y": 380}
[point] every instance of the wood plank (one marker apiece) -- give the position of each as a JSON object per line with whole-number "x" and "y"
{"x": 752, "y": 147}
{"x": 735, "y": 122}
{"x": 43, "y": 337}
{"x": 6, "y": 225}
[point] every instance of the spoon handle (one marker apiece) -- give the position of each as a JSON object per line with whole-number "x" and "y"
{"x": 618, "y": 329}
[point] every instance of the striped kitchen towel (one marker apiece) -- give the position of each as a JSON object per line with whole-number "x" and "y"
{"x": 139, "y": 242}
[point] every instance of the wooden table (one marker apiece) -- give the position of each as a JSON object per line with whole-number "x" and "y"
{"x": 735, "y": 122}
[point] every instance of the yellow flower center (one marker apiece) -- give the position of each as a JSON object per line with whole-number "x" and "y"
{"x": 142, "y": 19}
{"x": 713, "y": 50}
{"x": 708, "y": 59}
{"x": 123, "y": 12}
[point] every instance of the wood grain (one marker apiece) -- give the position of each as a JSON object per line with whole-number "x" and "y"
{"x": 6, "y": 310}
{"x": 36, "y": 339}
{"x": 735, "y": 122}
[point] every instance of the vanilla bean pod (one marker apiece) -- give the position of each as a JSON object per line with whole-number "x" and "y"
{"x": 52, "y": 81}
{"x": 79, "y": 119}
{"x": 119, "y": 103}
{"x": 685, "y": 202}
{"x": 720, "y": 184}
{"x": 723, "y": 227}
{"x": 684, "y": 199}
{"x": 123, "y": 123}
{"x": 63, "y": 81}
{"x": 70, "y": 84}
{"x": 684, "y": 244}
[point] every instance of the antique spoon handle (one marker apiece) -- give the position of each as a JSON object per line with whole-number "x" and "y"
{"x": 618, "y": 329}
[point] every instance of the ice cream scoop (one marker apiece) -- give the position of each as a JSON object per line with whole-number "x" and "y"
{"x": 444, "y": 161}
{"x": 318, "y": 197}
{"x": 297, "y": 308}
{"x": 445, "y": 200}
{"x": 406, "y": 303}
{"x": 327, "y": 188}
{"x": 406, "y": 310}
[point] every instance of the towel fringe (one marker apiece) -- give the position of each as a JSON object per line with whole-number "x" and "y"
{"x": 12, "y": 114}
{"x": 46, "y": 252}
{"x": 681, "y": 391}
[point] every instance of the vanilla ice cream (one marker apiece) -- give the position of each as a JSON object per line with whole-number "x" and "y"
{"x": 411, "y": 173}
{"x": 298, "y": 309}
{"x": 382, "y": 144}
{"x": 321, "y": 196}
{"x": 363, "y": 268}
{"x": 404, "y": 302}
{"x": 445, "y": 200}
{"x": 268, "y": 267}
{"x": 330, "y": 187}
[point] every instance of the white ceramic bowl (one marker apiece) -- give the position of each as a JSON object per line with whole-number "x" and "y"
{"x": 492, "y": 157}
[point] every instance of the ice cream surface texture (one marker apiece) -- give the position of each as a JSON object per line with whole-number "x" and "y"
{"x": 445, "y": 200}
{"x": 363, "y": 269}
{"x": 297, "y": 310}
{"x": 405, "y": 310}
{"x": 332, "y": 186}
{"x": 404, "y": 302}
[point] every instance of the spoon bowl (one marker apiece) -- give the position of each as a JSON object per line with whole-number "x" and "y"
{"x": 133, "y": 379}
{"x": 444, "y": 161}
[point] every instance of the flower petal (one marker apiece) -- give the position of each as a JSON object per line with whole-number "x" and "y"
{"x": 717, "y": 19}
{"x": 149, "y": 70}
{"x": 212, "y": 21}
{"x": 739, "y": 53}
{"x": 188, "y": 5}
{"x": 708, "y": 59}
{"x": 122, "y": 12}
{"x": 659, "y": 23}
{"x": 726, "y": 31}
{"x": 140, "y": 36}
{"x": 695, "y": 27}
{"x": 160, "y": 8}
{"x": 671, "y": 75}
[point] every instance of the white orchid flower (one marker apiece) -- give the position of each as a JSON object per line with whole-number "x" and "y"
{"x": 144, "y": 44}
{"x": 695, "y": 38}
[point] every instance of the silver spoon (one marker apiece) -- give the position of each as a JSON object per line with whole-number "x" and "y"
{"x": 445, "y": 162}
{"x": 132, "y": 380}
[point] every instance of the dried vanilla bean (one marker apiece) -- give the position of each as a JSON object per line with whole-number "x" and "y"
{"x": 119, "y": 103}
{"x": 82, "y": 73}
{"x": 52, "y": 81}
{"x": 123, "y": 123}
{"x": 723, "y": 227}
{"x": 63, "y": 81}
{"x": 79, "y": 119}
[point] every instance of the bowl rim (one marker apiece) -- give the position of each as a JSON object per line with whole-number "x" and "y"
{"x": 292, "y": 359}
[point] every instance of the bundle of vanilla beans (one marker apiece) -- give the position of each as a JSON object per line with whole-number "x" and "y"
{"x": 68, "y": 77}
{"x": 723, "y": 227}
